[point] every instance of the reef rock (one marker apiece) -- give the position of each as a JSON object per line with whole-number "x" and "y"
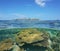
{"x": 6, "y": 45}
{"x": 33, "y": 37}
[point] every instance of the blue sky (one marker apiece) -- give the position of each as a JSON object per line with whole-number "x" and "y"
{"x": 42, "y": 9}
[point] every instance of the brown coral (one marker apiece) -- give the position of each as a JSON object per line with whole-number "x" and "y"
{"x": 6, "y": 45}
{"x": 33, "y": 36}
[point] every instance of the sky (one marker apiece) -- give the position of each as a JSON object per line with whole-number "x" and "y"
{"x": 41, "y": 9}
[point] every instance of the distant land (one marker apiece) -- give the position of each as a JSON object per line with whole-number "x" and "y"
{"x": 29, "y": 23}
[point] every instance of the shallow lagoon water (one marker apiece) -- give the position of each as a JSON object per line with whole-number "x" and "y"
{"x": 33, "y": 25}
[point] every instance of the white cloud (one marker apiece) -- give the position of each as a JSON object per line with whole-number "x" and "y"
{"x": 12, "y": 16}
{"x": 18, "y": 15}
{"x": 41, "y": 3}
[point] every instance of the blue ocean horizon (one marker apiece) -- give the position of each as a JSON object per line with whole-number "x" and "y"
{"x": 26, "y": 23}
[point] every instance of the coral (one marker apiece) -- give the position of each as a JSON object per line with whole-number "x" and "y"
{"x": 6, "y": 44}
{"x": 32, "y": 40}
{"x": 33, "y": 37}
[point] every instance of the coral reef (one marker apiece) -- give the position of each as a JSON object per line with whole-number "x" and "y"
{"x": 32, "y": 40}
{"x": 6, "y": 45}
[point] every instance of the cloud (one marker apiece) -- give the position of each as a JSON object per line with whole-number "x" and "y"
{"x": 12, "y": 16}
{"x": 41, "y": 3}
{"x": 17, "y": 15}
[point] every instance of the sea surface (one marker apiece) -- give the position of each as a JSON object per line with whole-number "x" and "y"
{"x": 55, "y": 24}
